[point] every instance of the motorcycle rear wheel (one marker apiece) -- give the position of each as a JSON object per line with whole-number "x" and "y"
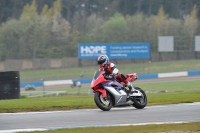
{"x": 140, "y": 103}
{"x": 103, "y": 104}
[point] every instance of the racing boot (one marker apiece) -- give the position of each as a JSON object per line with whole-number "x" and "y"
{"x": 129, "y": 85}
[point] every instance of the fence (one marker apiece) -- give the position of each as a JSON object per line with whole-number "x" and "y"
{"x": 38, "y": 64}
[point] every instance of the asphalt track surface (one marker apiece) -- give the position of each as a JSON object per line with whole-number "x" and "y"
{"x": 175, "y": 113}
{"x": 29, "y": 121}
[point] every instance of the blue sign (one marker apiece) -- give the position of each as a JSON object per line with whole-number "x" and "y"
{"x": 114, "y": 51}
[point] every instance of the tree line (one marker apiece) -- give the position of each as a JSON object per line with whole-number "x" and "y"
{"x": 53, "y": 28}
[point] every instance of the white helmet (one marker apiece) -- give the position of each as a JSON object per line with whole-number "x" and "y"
{"x": 102, "y": 60}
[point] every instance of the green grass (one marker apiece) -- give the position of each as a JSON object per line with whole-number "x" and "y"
{"x": 46, "y": 103}
{"x": 178, "y": 92}
{"x": 178, "y": 86}
{"x": 184, "y": 127}
{"x": 87, "y": 72}
{"x": 80, "y": 102}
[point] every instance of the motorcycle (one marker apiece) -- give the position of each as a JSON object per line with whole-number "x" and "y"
{"x": 110, "y": 93}
{"x": 76, "y": 84}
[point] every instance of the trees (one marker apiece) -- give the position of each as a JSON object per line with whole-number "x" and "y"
{"x": 113, "y": 30}
{"x": 32, "y": 34}
{"x": 53, "y": 28}
{"x": 191, "y": 25}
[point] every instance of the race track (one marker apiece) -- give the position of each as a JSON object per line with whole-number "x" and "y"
{"x": 175, "y": 113}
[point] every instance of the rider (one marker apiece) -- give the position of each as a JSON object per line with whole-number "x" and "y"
{"x": 111, "y": 70}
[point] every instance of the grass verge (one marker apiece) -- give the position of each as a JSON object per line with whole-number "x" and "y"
{"x": 160, "y": 128}
{"x": 79, "y": 102}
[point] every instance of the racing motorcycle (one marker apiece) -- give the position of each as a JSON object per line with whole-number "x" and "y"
{"x": 110, "y": 93}
{"x": 75, "y": 84}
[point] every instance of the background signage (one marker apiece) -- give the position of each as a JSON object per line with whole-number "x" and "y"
{"x": 114, "y": 51}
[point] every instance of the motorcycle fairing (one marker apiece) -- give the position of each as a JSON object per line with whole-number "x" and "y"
{"x": 100, "y": 89}
{"x": 131, "y": 77}
{"x": 98, "y": 78}
{"x": 120, "y": 96}
{"x": 114, "y": 84}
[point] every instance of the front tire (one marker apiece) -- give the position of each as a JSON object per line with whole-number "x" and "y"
{"x": 102, "y": 103}
{"x": 140, "y": 102}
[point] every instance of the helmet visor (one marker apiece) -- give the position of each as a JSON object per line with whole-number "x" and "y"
{"x": 100, "y": 62}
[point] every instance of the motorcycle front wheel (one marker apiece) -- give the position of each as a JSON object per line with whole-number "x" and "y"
{"x": 104, "y": 104}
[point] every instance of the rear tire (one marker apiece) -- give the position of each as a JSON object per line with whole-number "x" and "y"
{"x": 103, "y": 104}
{"x": 140, "y": 103}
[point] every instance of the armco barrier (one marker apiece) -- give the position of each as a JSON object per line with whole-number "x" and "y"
{"x": 57, "y": 82}
{"x": 147, "y": 76}
{"x": 88, "y": 80}
{"x": 173, "y": 74}
{"x": 192, "y": 73}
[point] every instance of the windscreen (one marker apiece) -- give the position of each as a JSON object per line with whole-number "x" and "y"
{"x": 96, "y": 74}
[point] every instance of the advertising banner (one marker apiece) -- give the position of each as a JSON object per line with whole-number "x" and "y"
{"x": 197, "y": 43}
{"x": 114, "y": 50}
{"x": 165, "y": 44}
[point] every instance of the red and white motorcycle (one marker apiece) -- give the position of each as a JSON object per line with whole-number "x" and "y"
{"x": 112, "y": 93}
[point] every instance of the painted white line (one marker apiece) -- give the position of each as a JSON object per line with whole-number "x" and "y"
{"x": 22, "y": 130}
{"x": 166, "y": 81}
{"x": 180, "y": 104}
{"x": 139, "y": 124}
{"x": 70, "y": 127}
{"x": 28, "y": 113}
